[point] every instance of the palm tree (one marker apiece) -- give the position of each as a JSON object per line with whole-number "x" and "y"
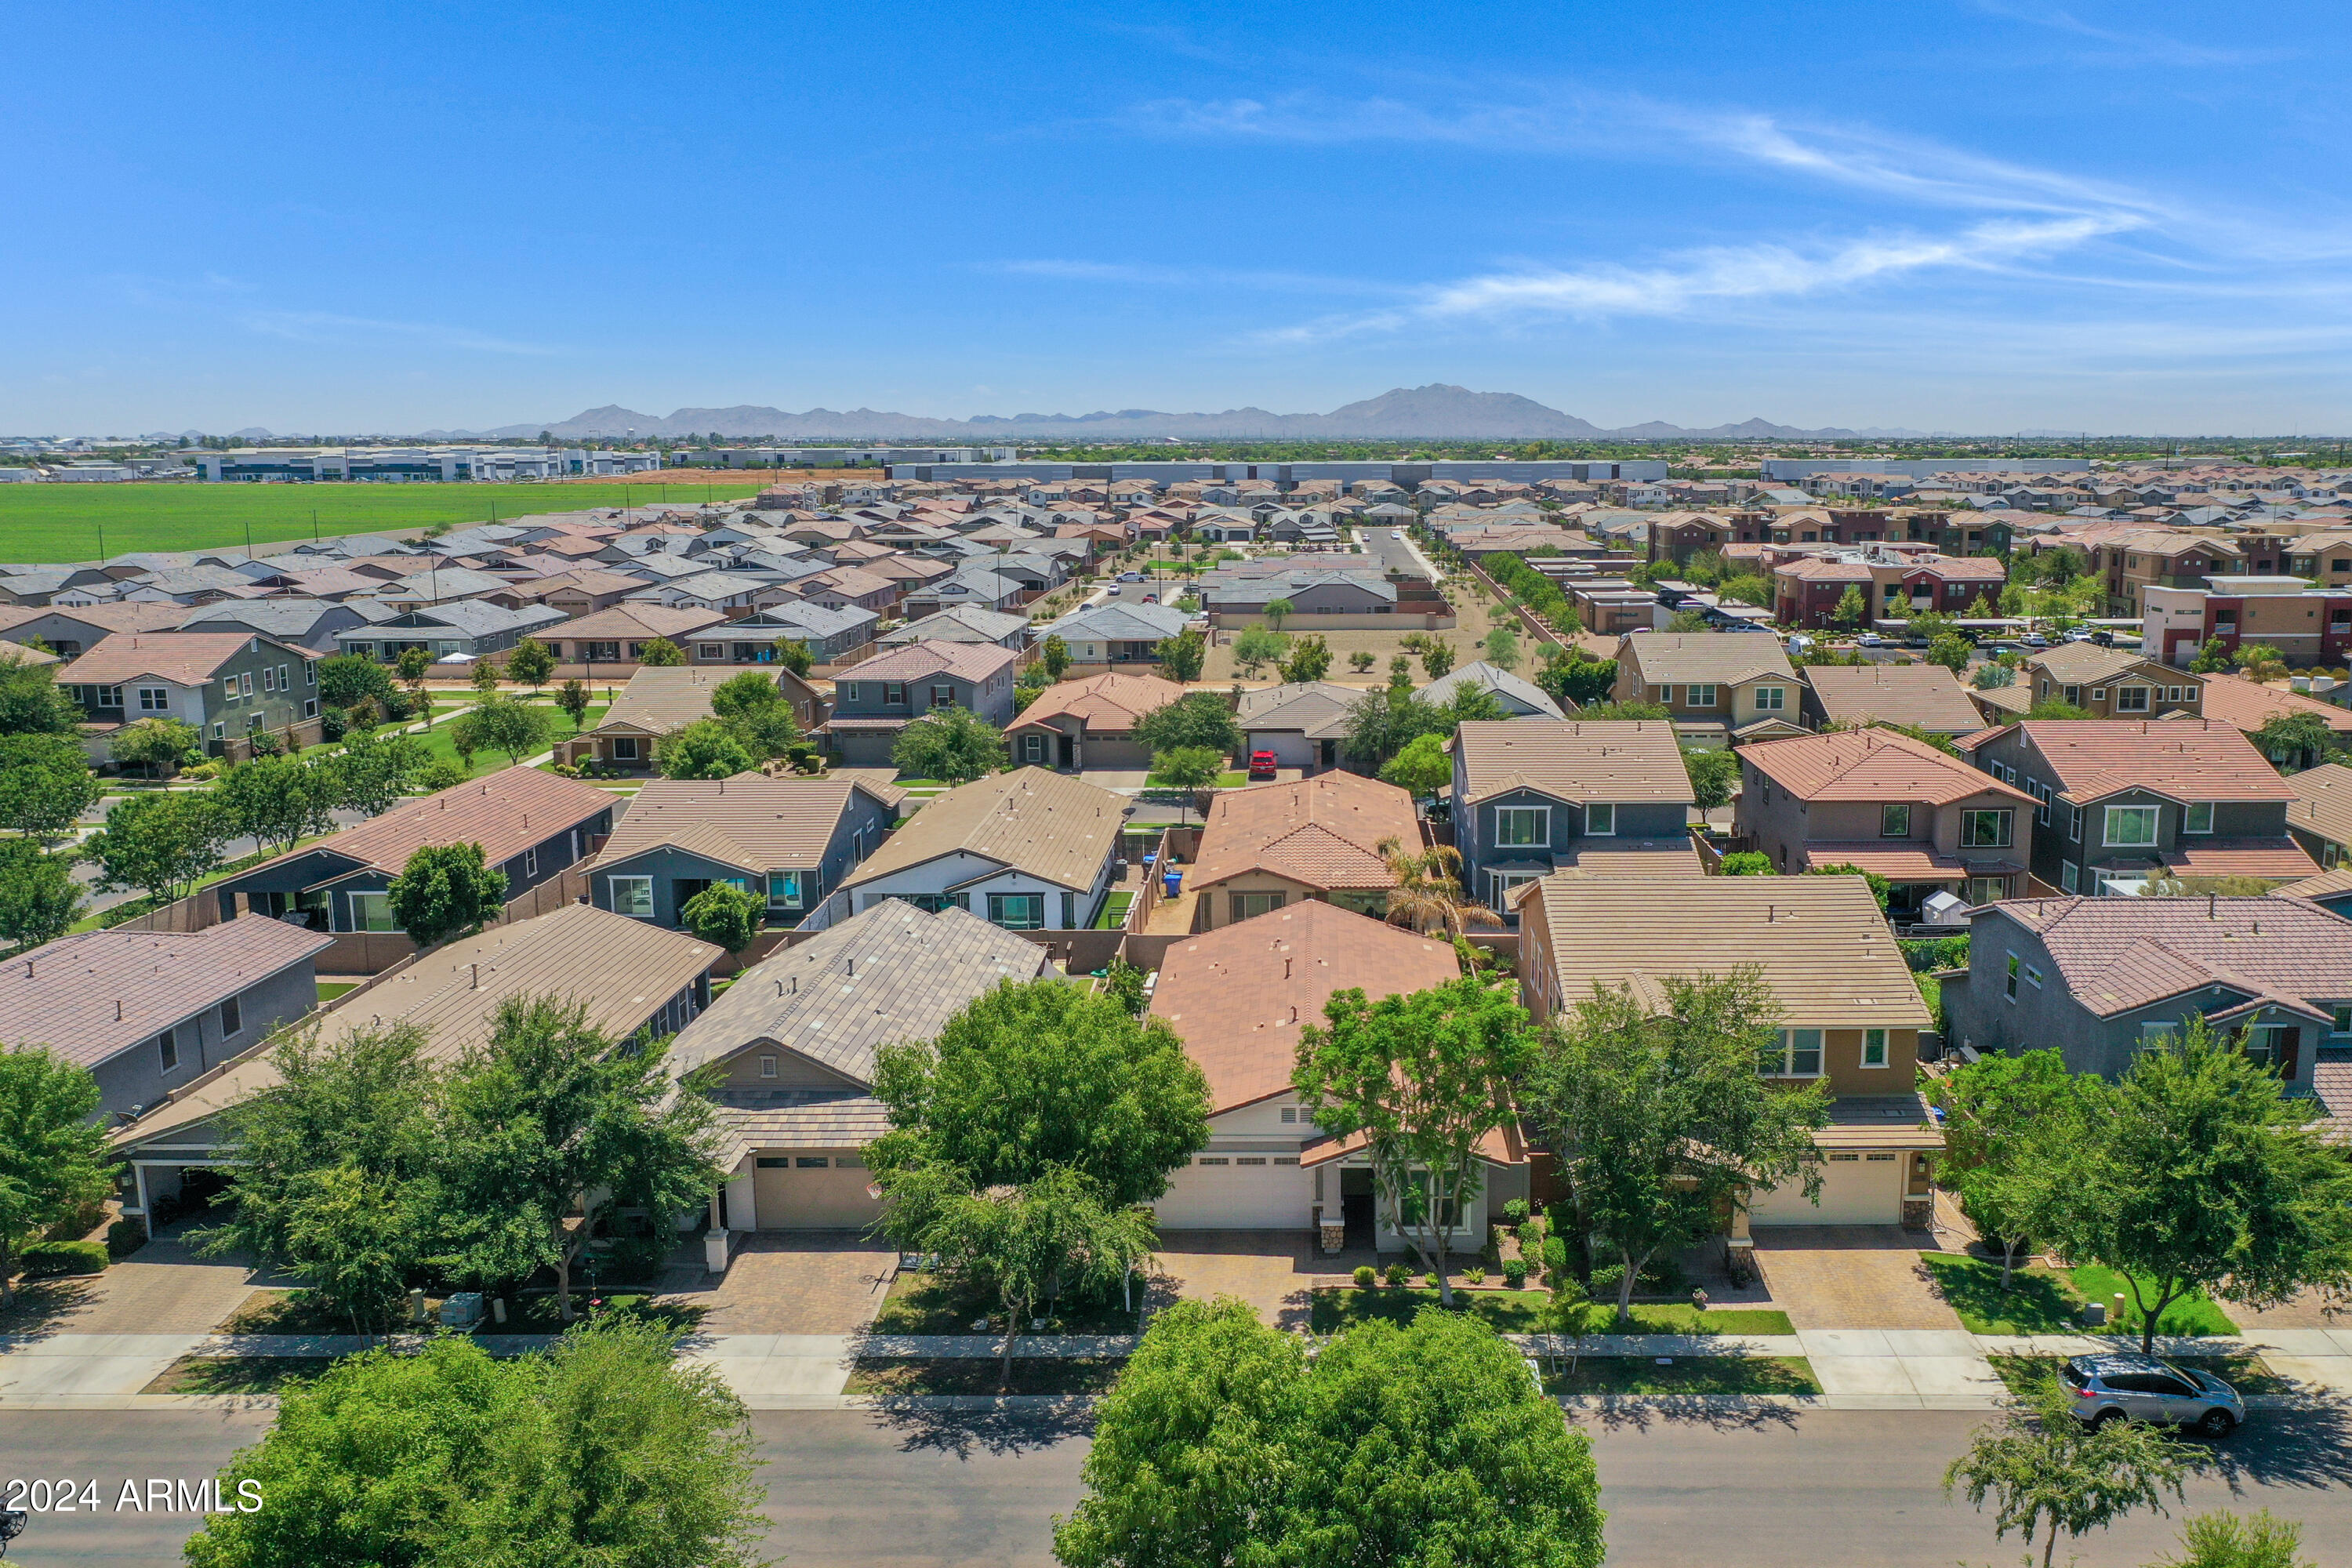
{"x": 1428, "y": 895}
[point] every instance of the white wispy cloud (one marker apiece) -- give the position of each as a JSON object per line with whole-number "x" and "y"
{"x": 1082, "y": 271}
{"x": 326, "y": 326}
{"x": 2137, "y": 44}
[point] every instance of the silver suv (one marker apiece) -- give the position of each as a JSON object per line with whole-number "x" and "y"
{"x": 2144, "y": 1388}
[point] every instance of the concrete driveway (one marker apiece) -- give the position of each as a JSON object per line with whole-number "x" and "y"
{"x": 796, "y": 1282}
{"x": 1273, "y": 1270}
{"x": 1850, "y": 1276}
{"x": 164, "y": 1287}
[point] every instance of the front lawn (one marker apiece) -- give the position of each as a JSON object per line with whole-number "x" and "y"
{"x": 235, "y": 1373}
{"x": 1522, "y": 1312}
{"x": 1691, "y": 1374}
{"x": 973, "y": 1375}
{"x": 926, "y": 1303}
{"x": 2050, "y": 1301}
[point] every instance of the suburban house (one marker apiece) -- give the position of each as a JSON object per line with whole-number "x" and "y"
{"x": 1237, "y": 997}
{"x": 661, "y": 700}
{"x": 794, "y": 1038}
{"x": 1091, "y": 723}
{"x": 788, "y": 842}
{"x": 225, "y": 685}
{"x": 2320, "y": 816}
{"x": 1027, "y": 850}
{"x": 66, "y": 632}
{"x": 1313, "y": 840}
{"x": 1535, "y": 796}
{"x": 1301, "y": 722}
{"x": 875, "y": 701}
{"x": 149, "y": 1012}
{"x": 1851, "y": 1013}
{"x": 615, "y": 639}
{"x": 962, "y": 623}
{"x": 303, "y": 623}
{"x": 830, "y": 635}
{"x": 1919, "y": 696}
{"x": 2110, "y": 682}
{"x": 1520, "y": 698}
{"x": 2099, "y": 978}
{"x": 1717, "y": 687}
{"x": 2123, "y": 804}
{"x": 1114, "y": 632}
{"x": 2234, "y": 700}
{"x": 462, "y": 628}
{"x": 1885, "y": 803}
{"x": 630, "y": 981}
{"x": 1239, "y": 599}
{"x": 532, "y": 824}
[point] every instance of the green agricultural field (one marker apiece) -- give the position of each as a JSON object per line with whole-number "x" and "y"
{"x": 65, "y": 522}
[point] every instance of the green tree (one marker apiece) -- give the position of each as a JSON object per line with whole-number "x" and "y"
{"x": 1852, "y": 608}
{"x": 2043, "y": 1470}
{"x": 447, "y": 890}
{"x": 1422, "y": 1446}
{"x": 551, "y": 1116}
{"x": 1183, "y": 656}
{"x": 531, "y": 663}
{"x": 2294, "y": 740}
{"x": 573, "y": 698}
{"x": 2226, "y": 1540}
{"x": 1746, "y": 588}
{"x": 39, "y": 900}
{"x": 660, "y": 653}
{"x": 953, "y": 744}
{"x": 1310, "y": 659}
{"x": 53, "y": 1152}
{"x": 1662, "y": 1118}
{"x": 45, "y": 785}
{"x": 1880, "y": 887}
{"x": 794, "y": 655}
{"x": 1192, "y": 769}
{"x": 414, "y": 664}
{"x": 2050, "y": 708}
{"x": 1055, "y": 655}
{"x": 1502, "y": 647}
{"x": 152, "y": 744}
{"x": 1257, "y": 646}
{"x": 162, "y": 844}
{"x": 1689, "y": 621}
{"x": 1423, "y": 767}
{"x": 1952, "y": 651}
{"x": 753, "y": 707}
{"x": 1278, "y": 611}
{"x": 724, "y": 915}
{"x": 1437, "y": 659}
{"x": 505, "y": 724}
{"x": 1197, "y": 718}
{"x": 485, "y": 677}
{"x": 1384, "y": 721}
{"x": 1425, "y": 1079}
{"x": 2194, "y": 1172}
{"x": 1993, "y": 677}
{"x": 2259, "y": 663}
{"x": 375, "y": 770}
{"x": 281, "y": 800}
{"x": 2212, "y": 657}
{"x": 31, "y": 702}
{"x": 1746, "y": 863}
{"x": 348, "y": 680}
{"x": 1575, "y": 681}
{"x": 2008, "y": 1121}
{"x": 1362, "y": 660}
{"x": 1714, "y": 774}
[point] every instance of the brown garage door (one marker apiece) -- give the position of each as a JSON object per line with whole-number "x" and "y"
{"x": 816, "y": 1191}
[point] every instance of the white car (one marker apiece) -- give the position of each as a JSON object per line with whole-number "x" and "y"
{"x": 1396, "y": 533}
{"x": 1869, "y": 639}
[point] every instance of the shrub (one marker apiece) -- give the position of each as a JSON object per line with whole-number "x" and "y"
{"x": 1935, "y": 953}
{"x": 1606, "y": 1280}
{"x": 1474, "y": 1277}
{"x": 1531, "y": 1238}
{"x": 1398, "y": 1274}
{"x": 441, "y": 775}
{"x": 77, "y": 1223}
{"x": 1516, "y": 1211}
{"x": 1430, "y": 1280}
{"x": 1366, "y": 1276}
{"x": 125, "y": 1236}
{"x": 1555, "y": 1255}
{"x": 45, "y": 1259}
{"x": 333, "y": 724}
{"x": 1515, "y": 1273}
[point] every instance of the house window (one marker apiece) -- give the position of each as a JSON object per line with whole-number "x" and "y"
{"x": 2343, "y": 1019}
{"x": 232, "y": 1019}
{"x": 1985, "y": 829}
{"x": 371, "y": 912}
{"x": 810, "y": 1162}
{"x": 531, "y": 862}
{"x": 1518, "y": 826}
{"x": 2070, "y": 876}
{"x": 2073, "y": 694}
{"x": 709, "y": 650}
{"x": 783, "y": 890}
{"x": 2098, "y": 694}
{"x": 625, "y": 748}
{"x": 1986, "y": 889}
{"x": 1702, "y": 696}
{"x": 2131, "y": 824}
{"x": 1874, "y": 1047}
{"x": 269, "y": 678}
{"x": 2196, "y": 816}
{"x": 1800, "y": 1055}
{"x": 310, "y": 672}
{"x": 151, "y": 699}
{"x": 1600, "y": 820}
{"x": 894, "y": 694}
{"x": 1017, "y": 911}
{"x": 2273, "y": 1045}
{"x": 229, "y": 690}
{"x": 767, "y": 1066}
{"x": 2009, "y": 977}
{"x": 632, "y": 896}
{"x": 1033, "y": 748}
{"x": 2131, "y": 698}
{"x": 168, "y": 1049}
{"x": 943, "y": 697}
{"x": 1771, "y": 699}
{"x": 1289, "y": 1115}
{"x": 1249, "y": 906}
{"x": 1894, "y": 821}
{"x": 2075, "y": 824}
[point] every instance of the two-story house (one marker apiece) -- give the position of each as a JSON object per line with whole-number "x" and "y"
{"x": 2122, "y": 805}
{"x": 1717, "y": 687}
{"x": 1027, "y": 850}
{"x": 874, "y": 701}
{"x": 1885, "y": 803}
{"x": 788, "y": 842}
{"x": 1274, "y": 845}
{"x": 2099, "y": 979}
{"x": 1851, "y": 1013}
{"x": 2248, "y": 707}
{"x": 1925, "y": 696}
{"x": 2110, "y": 682}
{"x": 829, "y": 635}
{"x": 1533, "y": 796}
{"x": 225, "y": 685}
{"x": 2320, "y": 816}
{"x": 1074, "y": 725}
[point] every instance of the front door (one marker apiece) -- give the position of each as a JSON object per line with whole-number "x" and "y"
{"x": 1066, "y": 746}
{"x": 1355, "y": 1204}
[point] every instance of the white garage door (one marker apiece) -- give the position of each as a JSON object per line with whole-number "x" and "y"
{"x": 812, "y": 1192}
{"x": 1290, "y": 749}
{"x": 1857, "y": 1189}
{"x": 1237, "y": 1192}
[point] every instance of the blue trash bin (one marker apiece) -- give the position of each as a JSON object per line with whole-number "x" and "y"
{"x": 1171, "y": 883}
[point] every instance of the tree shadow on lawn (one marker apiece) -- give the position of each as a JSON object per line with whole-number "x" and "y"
{"x": 996, "y": 1428}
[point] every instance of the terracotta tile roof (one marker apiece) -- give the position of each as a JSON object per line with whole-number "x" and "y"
{"x": 1722, "y": 658}
{"x": 1820, "y": 941}
{"x": 1896, "y": 863}
{"x": 2088, "y": 664}
{"x": 2328, "y": 884}
{"x": 1577, "y": 760}
{"x": 1108, "y": 703}
{"x": 919, "y": 662}
{"x": 2182, "y": 759}
{"x": 188, "y": 658}
{"x": 1926, "y": 695}
{"x": 1317, "y": 709}
{"x": 752, "y": 823}
{"x": 89, "y": 996}
{"x": 2115, "y": 955}
{"x": 506, "y": 813}
{"x": 1871, "y": 766}
{"x": 1633, "y": 858}
{"x": 2016, "y": 698}
{"x": 1323, "y": 832}
{"x": 1824, "y": 569}
{"x": 2233, "y": 700}
{"x": 2323, "y": 801}
{"x": 2281, "y": 857}
{"x": 1055, "y": 827}
{"x": 1238, "y": 995}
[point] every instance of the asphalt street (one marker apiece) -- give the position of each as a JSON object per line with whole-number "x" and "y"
{"x": 1761, "y": 1490}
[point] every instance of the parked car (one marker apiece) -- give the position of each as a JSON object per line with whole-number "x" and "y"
{"x": 2112, "y": 1386}
{"x": 1869, "y": 639}
{"x": 1131, "y": 577}
{"x": 2034, "y": 639}
{"x": 1261, "y": 765}
{"x": 1396, "y": 533}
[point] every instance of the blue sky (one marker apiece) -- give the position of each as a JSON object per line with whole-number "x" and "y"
{"x": 1965, "y": 214}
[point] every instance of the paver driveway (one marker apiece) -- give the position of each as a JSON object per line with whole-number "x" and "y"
{"x": 1850, "y": 1276}
{"x": 1274, "y": 1271}
{"x": 796, "y": 1282}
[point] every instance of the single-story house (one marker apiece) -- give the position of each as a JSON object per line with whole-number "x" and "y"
{"x": 786, "y": 841}
{"x": 1089, "y": 723}
{"x": 1028, "y": 850}
{"x": 1271, "y": 845}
